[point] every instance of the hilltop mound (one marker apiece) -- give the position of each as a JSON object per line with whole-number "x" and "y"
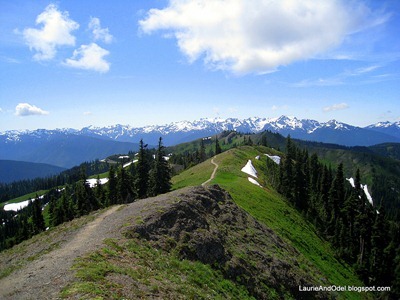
{"x": 206, "y": 225}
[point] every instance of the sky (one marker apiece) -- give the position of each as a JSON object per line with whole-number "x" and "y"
{"x": 71, "y": 64}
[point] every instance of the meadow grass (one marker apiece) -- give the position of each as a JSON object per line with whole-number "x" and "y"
{"x": 270, "y": 208}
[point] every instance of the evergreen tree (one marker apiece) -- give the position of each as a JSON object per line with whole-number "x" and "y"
{"x": 125, "y": 189}
{"x": 379, "y": 242}
{"x": 112, "y": 187}
{"x": 287, "y": 172}
{"x": 85, "y": 198}
{"x": 336, "y": 200}
{"x": 142, "y": 171}
{"x": 37, "y": 217}
{"x": 202, "y": 152}
{"x": 218, "y": 149}
{"x": 263, "y": 141}
{"x": 160, "y": 176}
{"x": 301, "y": 179}
{"x": 326, "y": 181}
{"x": 100, "y": 193}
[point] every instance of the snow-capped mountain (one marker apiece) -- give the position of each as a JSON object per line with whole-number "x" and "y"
{"x": 387, "y": 128}
{"x": 329, "y": 132}
{"x": 177, "y": 132}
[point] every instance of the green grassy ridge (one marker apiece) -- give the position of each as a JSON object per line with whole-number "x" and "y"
{"x": 103, "y": 274}
{"x": 270, "y": 208}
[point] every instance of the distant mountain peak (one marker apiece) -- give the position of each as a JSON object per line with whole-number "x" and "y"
{"x": 385, "y": 124}
{"x": 332, "y": 131}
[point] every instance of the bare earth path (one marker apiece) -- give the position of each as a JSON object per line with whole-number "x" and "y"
{"x": 52, "y": 270}
{"x": 213, "y": 173}
{"x": 47, "y": 275}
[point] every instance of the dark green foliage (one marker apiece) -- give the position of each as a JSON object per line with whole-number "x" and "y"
{"x": 125, "y": 188}
{"x": 100, "y": 193}
{"x": 218, "y": 149}
{"x": 112, "y": 187}
{"x": 37, "y": 217}
{"x": 359, "y": 232}
{"x": 142, "y": 171}
{"x": 160, "y": 175}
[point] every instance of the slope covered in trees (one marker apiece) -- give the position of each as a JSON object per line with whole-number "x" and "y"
{"x": 149, "y": 177}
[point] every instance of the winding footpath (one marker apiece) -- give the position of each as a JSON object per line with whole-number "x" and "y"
{"x": 45, "y": 277}
{"x": 213, "y": 173}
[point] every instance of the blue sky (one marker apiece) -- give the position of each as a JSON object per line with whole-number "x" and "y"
{"x": 78, "y": 63}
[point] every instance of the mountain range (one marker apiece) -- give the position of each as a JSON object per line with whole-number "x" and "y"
{"x": 68, "y": 147}
{"x": 183, "y": 131}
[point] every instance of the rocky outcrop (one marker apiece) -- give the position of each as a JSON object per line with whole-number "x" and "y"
{"x": 206, "y": 225}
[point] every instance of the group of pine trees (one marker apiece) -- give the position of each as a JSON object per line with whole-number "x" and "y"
{"x": 360, "y": 232}
{"x": 149, "y": 176}
{"x": 17, "y": 228}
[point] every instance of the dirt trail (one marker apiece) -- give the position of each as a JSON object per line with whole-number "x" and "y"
{"x": 46, "y": 276}
{"x": 213, "y": 173}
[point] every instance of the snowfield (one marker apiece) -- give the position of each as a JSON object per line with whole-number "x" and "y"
{"x": 275, "y": 158}
{"x": 129, "y": 163}
{"x": 249, "y": 169}
{"x": 19, "y": 205}
{"x": 93, "y": 181}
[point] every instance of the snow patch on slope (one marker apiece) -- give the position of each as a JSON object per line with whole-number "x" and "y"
{"x": 93, "y": 181}
{"x": 367, "y": 194}
{"x": 249, "y": 169}
{"x": 275, "y": 158}
{"x": 364, "y": 187}
{"x": 253, "y": 181}
{"x": 19, "y": 205}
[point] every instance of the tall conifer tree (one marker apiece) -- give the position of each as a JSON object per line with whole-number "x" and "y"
{"x": 160, "y": 176}
{"x": 142, "y": 171}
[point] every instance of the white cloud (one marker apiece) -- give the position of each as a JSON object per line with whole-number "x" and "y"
{"x": 256, "y": 36}
{"x": 55, "y": 32}
{"x": 339, "y": 106}
{"x": 87, "y": 113}
{"x": 26, "y": 109}
{"x": 89, "y": 57}
{"x": 101, "y": 34}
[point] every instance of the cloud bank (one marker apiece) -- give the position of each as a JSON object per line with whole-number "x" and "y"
{"x": 256, "y": 36}
{"x": 26, "y": 109}
{"x": 55, "y": 32}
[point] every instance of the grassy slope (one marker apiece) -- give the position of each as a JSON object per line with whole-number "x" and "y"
{"x": 269, "y": 207}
